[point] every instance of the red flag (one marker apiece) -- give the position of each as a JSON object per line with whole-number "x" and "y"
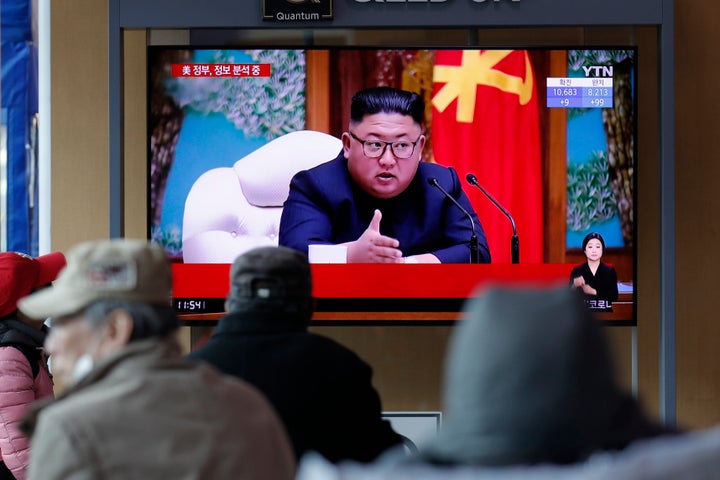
{"x": 485, "y": 121}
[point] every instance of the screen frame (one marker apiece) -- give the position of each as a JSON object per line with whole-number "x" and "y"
{"x": 442, "y": 309}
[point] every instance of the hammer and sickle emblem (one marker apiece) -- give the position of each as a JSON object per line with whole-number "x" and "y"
{"x": 477, "y": 68}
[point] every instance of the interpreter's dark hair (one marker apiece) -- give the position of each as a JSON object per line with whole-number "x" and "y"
{"x": 387, "y": 100}
{"x": 148, "y": 320}
{"x": 590, "y": 236}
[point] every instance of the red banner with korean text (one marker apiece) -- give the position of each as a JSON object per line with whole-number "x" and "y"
{"x": 485, "y": 121}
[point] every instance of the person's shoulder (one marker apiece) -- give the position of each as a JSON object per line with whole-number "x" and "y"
{"x": 578, "y": 271}
{"x": 18, "y": 366}
{"x": 10, "y": 353}
{"x": 334, "y": 353}
{"x": 607, "y": 267}
{"x": 201, "y": 353}
{"x": 316, "y": 179}
{"x": 445, "y": 175}
{"x": 227, "y": 388}
{"x": 430, "y": 168}
{"x": 329, "y": 168}
{"x": 79, "y": 408}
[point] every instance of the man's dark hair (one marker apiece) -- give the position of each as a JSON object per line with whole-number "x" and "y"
{"x": 387, "y": 100}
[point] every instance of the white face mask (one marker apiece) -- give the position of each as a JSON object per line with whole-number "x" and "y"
{"x": 83, "y": 366}
{"x": 86, "y": 361}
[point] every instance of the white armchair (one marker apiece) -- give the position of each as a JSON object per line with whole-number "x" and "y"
{"x": 230, "y": 210}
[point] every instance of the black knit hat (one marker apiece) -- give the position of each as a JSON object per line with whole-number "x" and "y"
{"x": 272, "y": 281}
{"x": 271, "y": 273}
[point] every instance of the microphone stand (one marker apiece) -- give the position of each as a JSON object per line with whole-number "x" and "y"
{"x": 515, "y": 240}
{"x": 474, "y": 248}
{"x": 515, "y": 247}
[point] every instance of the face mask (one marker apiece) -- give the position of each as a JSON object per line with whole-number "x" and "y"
{"x": 83, "y": 366}
{"x": 86, "y": 362}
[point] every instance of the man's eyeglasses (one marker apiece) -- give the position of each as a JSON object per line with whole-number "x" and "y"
{"x": 376, "y": 148}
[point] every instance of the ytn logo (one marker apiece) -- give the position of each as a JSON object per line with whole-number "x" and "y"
{"x": 598, "y": 70}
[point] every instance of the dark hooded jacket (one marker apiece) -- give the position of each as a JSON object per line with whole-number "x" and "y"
{"x": 322, "y": 391}
{"x": 529, "y": 379}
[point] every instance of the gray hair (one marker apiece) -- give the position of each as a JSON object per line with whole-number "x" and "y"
{"x": 148, "y": 320}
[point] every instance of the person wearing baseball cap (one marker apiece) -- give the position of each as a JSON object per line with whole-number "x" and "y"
{"x": 24, "y": 375}
{"x": 133, "y": 407}
{"x": 322, "y": 390}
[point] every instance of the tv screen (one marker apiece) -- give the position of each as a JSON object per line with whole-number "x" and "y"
{"x": 548, "y": 133}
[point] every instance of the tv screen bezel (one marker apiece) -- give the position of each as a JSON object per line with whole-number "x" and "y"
{"x": 427, "y": 306}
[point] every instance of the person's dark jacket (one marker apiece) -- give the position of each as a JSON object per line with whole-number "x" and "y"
{"x": 604, "y": 280}
{"x": 326, "y": 206}
{"x": 529, "y": 379}
{"x": 321, "y": 390}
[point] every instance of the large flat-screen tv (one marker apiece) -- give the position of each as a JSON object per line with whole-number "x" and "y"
{"x": 549, "y": 133}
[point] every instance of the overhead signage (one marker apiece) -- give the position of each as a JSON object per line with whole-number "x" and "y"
{"x": 297, "y": 10}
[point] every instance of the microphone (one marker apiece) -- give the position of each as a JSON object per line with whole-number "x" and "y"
{"x": 514, "y": 241}
{"x": 474, "y": 255}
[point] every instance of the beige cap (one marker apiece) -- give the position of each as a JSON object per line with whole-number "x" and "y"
{"x": 118, "y": 269}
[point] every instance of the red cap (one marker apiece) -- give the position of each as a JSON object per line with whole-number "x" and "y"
{"x": 20, "y": 274}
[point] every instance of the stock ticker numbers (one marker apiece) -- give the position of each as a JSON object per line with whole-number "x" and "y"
{"x": 579, "y": 92}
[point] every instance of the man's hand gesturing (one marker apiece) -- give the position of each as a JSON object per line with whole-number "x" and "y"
{"x": 373, "y": 247}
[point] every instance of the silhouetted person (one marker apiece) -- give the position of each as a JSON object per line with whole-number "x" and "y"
{"x": 24, "y": 374}
{"x": 322, "y": 390}
{"x": 529, "y": 379}
{"x": 594, "y": 278}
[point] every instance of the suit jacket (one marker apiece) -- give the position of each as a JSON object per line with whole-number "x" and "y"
{"x": 326, "y": 206}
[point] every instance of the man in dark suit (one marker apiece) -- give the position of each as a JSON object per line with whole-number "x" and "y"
{"x": 322, "y": 391}
{"x": 378, "y": 197}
